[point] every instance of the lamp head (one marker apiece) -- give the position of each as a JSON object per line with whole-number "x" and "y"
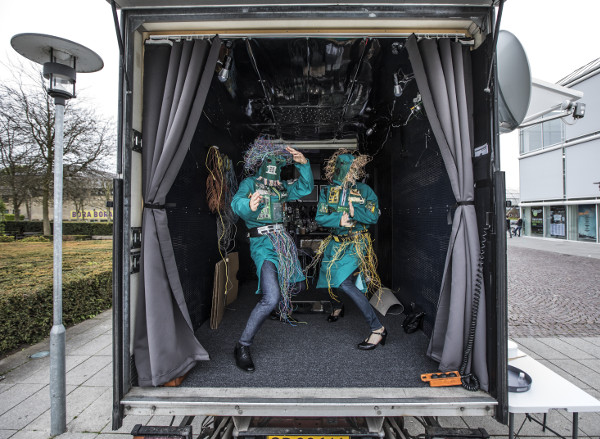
{"x": 60, "y": 72}
{"x": 397, "y": 86}
{"x": 61, "y": 59}
{"x": 224, "y": 73}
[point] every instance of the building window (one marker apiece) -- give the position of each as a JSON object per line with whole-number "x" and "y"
{"x": 531, "y": 139}
{"x": 558, "y": 222}
{"x": 541, "y": 136}
{"x": 537, "y": 221}
{"x": 586, "y": 222}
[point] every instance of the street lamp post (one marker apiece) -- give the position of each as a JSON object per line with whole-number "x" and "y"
{"x": 61, "y": 59}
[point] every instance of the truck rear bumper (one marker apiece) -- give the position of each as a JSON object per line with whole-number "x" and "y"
{"x": 451, "y": 401}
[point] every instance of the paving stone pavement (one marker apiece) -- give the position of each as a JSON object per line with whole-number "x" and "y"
{"x": 554, "y": 313}
{"x": 552, "y": 294}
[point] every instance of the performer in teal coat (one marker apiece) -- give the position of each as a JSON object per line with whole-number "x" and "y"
{"x": 260, "y": 202}
{"x": 349, "y": 264}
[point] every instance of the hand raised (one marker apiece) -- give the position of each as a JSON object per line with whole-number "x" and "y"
{"x": 297, "y": 156}
{"x": 345, "y": 221}
{"x": 255, "y": 200}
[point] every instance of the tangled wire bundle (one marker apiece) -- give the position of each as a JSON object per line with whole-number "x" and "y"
{"x": 221, "y": 186}
{"x": 215, "y": 182}
{"x": 359, "y": 245}
{"x": 357, "y": 169}
{"x": 262, "y": 147}
{"x": 288, "y": 268}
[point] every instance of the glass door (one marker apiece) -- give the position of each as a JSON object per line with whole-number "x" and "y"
{"x": 558, "y": 222}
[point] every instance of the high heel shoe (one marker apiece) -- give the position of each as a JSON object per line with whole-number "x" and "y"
{"x": 333, "y": 317}
{"x": 366, "y": 346}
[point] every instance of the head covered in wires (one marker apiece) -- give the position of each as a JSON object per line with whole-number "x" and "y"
{"x": 266, "y": 158}
{"x": 345, "y": 168}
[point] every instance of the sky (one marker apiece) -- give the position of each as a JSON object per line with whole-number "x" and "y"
{"x": 87, "y": 22}
{"x": 559, "y": 37}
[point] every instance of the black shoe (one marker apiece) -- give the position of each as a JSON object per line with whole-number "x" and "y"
{"x": 333, "y": 317}
{"x": 366, "y": 346}
{"x": 243, "y": 359}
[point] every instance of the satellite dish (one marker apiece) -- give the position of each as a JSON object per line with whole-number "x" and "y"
{"x": 514, "y": 82}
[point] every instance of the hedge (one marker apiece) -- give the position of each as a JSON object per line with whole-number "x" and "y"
{"x": 26, "y": 303}
{"x": 69, "y": 228}
{"x": 11, "y": 217}
{"x": 26, "y": 318}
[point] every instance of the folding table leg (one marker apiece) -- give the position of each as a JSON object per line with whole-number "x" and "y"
{"x": 575, "y": 425}
{"x": 544, "y": 426}
{"x": 511, "y": 426}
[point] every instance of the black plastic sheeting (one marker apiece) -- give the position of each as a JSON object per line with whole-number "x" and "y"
{"x": 303, "y": 88}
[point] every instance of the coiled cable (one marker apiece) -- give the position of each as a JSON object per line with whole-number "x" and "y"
{"x": 470, "y": 381}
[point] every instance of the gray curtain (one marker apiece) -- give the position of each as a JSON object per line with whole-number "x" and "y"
{"x": 177, "y": 78}
{"x": 443, "y": 73}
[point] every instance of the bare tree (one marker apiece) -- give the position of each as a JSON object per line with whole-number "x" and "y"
{"x": 78, "y": 190}
{"x": 88, "y": 138}
{"x": 18, "y": 166}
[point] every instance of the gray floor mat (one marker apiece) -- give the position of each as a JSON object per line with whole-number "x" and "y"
{"x": 315, "y": 353}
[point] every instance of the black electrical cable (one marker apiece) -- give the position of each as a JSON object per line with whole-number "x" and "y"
{"x": 470, "y": 381}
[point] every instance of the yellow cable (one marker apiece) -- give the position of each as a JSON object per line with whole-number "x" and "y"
{"x": 219, "y": 165}
{"x": 363, "y": 250}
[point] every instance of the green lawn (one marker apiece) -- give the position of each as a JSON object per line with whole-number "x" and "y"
{"x": 27, "y": 265}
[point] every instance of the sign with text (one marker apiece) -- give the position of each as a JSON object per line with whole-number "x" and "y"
{"x": 586, "y": 222}
{"x": 91, "y": 215}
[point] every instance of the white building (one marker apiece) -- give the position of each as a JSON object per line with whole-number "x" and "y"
{"x": 559, "y": 163}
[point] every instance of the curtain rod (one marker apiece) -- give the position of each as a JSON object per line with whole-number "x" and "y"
{"x": 457, "y": 36}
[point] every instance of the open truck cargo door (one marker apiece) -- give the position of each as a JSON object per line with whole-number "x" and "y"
{"x": 312, "y": 73}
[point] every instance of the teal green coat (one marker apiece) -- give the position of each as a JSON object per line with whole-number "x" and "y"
{"x": 329, "y": 214}
{"x": 270, "y": 212}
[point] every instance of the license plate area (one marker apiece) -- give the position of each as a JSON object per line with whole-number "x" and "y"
{"x": 308, "y": 436}
{"x": 306, "y": 428}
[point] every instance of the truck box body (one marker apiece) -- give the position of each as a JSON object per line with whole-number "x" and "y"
{"x": 317, "y": 75}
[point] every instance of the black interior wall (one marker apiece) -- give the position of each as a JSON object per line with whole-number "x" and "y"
{"x": 380, "y": 173}
{"x": 415, "y": 199}
{"x": 415, "y": 196}
{"x": 423, "y": 202}
{"x": 192, "y": 225}
{"x": 192, "y": 231}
